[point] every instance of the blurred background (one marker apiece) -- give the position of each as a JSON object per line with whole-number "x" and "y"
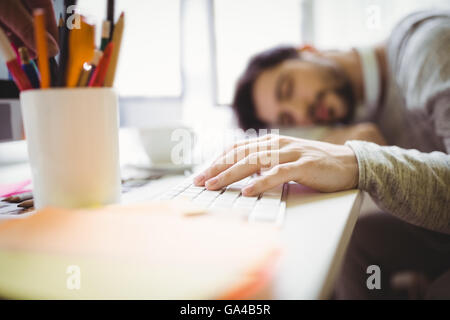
{"x": 181, "y": 58}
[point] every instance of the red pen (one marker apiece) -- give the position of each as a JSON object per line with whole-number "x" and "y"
{"x": 98, "y": 78}
{"x": 8, "y": 54}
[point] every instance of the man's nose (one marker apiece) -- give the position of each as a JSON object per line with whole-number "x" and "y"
{"x": 299, "y": 111}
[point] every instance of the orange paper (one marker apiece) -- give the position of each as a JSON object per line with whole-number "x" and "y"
{"x": 149, "y": 251}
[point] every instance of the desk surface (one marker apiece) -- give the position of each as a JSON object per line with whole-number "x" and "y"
{"x": 315, "y": 234}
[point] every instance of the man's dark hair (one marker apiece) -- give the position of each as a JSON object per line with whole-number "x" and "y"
{"x": 243, "y": 104}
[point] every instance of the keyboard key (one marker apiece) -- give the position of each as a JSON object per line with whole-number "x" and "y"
{"x": 165, "y": 197}
{"x": 221, "y": 205}
{"x": 212, "y": 194}
{"x": 269, "y": 201}
{"x": 276, "y": 191}
{"x": 195, "y": 188}
{"x": 203, "y": 202}
{"x": 230, "y": 195}
{"x": 267, "y": 207}
{"x": 238, "y": 185}
{"x": 240, "y": 202}
{"x": 266, "y": 213}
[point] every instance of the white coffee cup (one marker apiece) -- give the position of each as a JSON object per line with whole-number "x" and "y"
{"x": 169, "y": 144}
{"x": 72, "y": 137}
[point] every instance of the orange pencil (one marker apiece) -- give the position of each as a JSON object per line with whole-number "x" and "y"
{"x": 117, "y": 39}
{"x": 41, "y": 47}
{"x": 81, "y": 50}
{"x": 98, "y": 78}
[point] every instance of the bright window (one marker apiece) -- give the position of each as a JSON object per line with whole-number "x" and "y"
{"x": 346, "y": 23}
{"x": 245, "y": 27}
{"x": 150, "y": 61}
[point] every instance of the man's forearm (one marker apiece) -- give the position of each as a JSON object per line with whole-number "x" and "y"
{"x": 411, "y": 185}
{"x": 362, "y": 131}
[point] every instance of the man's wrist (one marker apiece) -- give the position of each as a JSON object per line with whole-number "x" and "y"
{"x": 351, "y": 164}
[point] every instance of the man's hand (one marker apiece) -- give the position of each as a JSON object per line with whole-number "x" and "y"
{"x": 322, "y": 166}
{"x": 16, "y": 18}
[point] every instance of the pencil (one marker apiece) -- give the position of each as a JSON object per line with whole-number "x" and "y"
{"x": 106, "y": 30}
{"x": 98, "y": 78}
{"x": 84, "y": 75}
{"x": 41, "y": 47}
{"x": 88, "y": 69}
{"x": 117, "y": 39}
{"x": 94, "y": 63}
{"x": 29, "y": 67}
{"x": 19, "y": 198}
{"x": 81, "y": 50}
{"x": 8, "y": 55}
{"x": 26, "y": 204}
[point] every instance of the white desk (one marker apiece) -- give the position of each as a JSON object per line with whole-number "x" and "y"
{"x": 315, "y": 234}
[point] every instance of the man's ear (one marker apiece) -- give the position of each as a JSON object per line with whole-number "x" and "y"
{"x": 309, "y": 52}
{"x": 307, "y": 48}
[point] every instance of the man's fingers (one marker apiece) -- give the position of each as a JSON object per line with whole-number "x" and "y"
{"x": 276, "y": 176}
{"x": 248, "y": 166}
{"x": 219, "y": 164}
{"x": 226, "y": 161}
{"x": 234, "y": 156}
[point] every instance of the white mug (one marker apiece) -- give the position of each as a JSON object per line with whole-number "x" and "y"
{"x": 73, "y": 148}
{"x": 169, "y": 144}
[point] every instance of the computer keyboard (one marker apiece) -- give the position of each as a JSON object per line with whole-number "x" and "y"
{"x": 267, "y": 207}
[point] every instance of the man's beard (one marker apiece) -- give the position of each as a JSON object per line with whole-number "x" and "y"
{"x": 344, "y": 91}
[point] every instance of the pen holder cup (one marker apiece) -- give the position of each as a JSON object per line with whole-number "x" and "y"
{"x": 73, "y": 146}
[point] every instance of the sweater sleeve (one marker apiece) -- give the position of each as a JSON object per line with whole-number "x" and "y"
{"x": 411, "y": 185}
{"x": 419, "y": 57}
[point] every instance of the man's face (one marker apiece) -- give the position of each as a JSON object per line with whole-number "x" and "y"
{"x": 302, "y": 92}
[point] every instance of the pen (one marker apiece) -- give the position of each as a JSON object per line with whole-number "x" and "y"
{"x": 64, "y": 49}
{"x": 110, "y": 10}
{"x": 41, "y": 47}
{"x": 29, "y": 67}
{"x": 60, "y": 30}
{"x": 117, "y": 39}
{"x": 8, "y": 55}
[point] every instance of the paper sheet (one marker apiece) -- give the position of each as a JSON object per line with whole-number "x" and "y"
{"x": 149, "y": 251}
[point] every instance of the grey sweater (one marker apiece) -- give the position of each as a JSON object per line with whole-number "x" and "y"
{"x": 412, "y": 184}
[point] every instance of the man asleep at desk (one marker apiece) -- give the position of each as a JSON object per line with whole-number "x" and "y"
{"x": 396, "y": 94}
